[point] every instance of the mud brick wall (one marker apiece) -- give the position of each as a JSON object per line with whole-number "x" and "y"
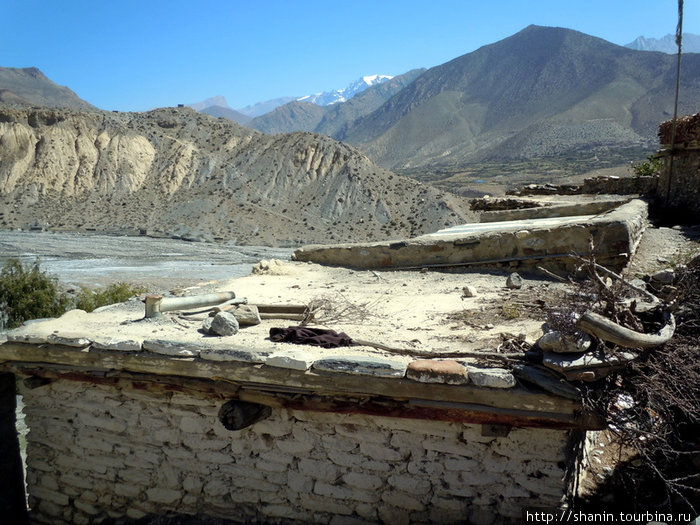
{"x": 99, "y": 451}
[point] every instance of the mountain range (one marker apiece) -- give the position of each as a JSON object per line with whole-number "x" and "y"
{"x": 545, "y": 96}
{"x": 218, "y": 107}
{"x": 543, "y": 93}
{"x": 667, "y": 44}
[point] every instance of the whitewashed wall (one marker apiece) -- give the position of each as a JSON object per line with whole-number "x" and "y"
{"x": 99, "y": 451}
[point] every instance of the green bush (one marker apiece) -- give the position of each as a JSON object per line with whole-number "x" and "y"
{"x": 89, "y": 299}
{"x": 651, "y": 166}
{"x": 26, "y": 292}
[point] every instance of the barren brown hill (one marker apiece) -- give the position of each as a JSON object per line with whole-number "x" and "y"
{"x": 176, "y": 172}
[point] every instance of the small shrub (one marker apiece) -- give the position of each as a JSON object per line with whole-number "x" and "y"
{"x": 510, "y": 311}
{"x": 89, "y": 300}
{"x": 649, "y": 167}
{"x": 26, "y": 292}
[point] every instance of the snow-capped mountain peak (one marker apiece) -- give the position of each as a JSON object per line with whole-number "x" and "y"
{"x": 341, "y": 95}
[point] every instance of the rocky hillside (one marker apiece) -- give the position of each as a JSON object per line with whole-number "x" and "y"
{"x": 176, "y": 172}
{"x": 29, "y": 86}
{"x": 541, "y": 92}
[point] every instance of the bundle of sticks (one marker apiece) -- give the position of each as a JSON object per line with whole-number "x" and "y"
{"x": 687, "y": 130}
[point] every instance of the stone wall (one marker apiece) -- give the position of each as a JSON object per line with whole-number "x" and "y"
{"x": 123, "y": 450}
{"x": 526, "y": 246}
{"x": 679, "y": 200}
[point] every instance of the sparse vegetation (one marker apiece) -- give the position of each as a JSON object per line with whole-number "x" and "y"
{"x": 89, "y": 300}
{"x": 26, "y": 292}
{"x": 647, "y": 168}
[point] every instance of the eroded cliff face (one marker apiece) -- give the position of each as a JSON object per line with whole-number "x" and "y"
{"x": 173, "y": 171}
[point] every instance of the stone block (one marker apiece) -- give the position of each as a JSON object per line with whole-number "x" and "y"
{"x": 127, "y": 490}
{"x": 347, "y": 520}
{"x": 216, "y": 458}
{"x": 325, "y": 505}
{"x": 292, "y": 359}
{"x": 300, "y": 483}
{"x": 135, "y": 477}
{"x": 106, "y": 421}
{"x": 163, "y": 496}
{"x": 565, "y": 344}
{"x": 363, "y": 481}
{"x": 194, "y": 424}
{"x": 491, "y": 377}
{"x": 425, "y": 468}
{"x": 171, "y": 348}
{"x": 270, "y": 466}
{"x": 566, "y": 363}
{"x": 402, "y": 500}
{"x": 362, "y": 434}
{"x": 117, "y": 344}
{"x": 445, "y": 371}
{"x": 345, "y": 459}
{"x": 224, "y": 324}
{"x": 380, "y": 452}
{"x": 215, "y": 487}
{"x": 285, "y": 512}
{"x": 372, "y": 366}
{"x": 410, "y": 484}
{"x": 334, "y": 442}
{"x": 462, "y": 464}
{"x": 294, "y": 447}
{"x": 230, "y": 354}
{"x": 322, "y": 488}
{"x": 87, "y": 508}
{"x": 272, "y": 427}
{"x": 448, "y": 446}
{"x": 318, "y": 470}
{"x": 68, "y": 339}
{"x": 395, "y": 515}
{"x": 52, "y": 496}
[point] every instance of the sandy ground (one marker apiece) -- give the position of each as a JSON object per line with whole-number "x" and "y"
{"x": 421, "y": 310}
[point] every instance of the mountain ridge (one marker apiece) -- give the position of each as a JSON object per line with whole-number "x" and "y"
{"x": 666, "y": 44}
{"x": 464, "y": 110}
{"x": 174, "y": 170}
{"x": 29, "y": 86}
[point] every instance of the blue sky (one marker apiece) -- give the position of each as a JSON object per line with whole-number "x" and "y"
{"x": 136, "y": 55}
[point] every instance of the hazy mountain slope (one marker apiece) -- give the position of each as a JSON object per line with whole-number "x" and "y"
{"x": 293, "y": 116}
{"x": 31, "y": 85}
{"x": 561, "y": 83}
{"x": 260, "y": 108}
{"x": 177, "y": 171}
{"x": 226, "y": 112}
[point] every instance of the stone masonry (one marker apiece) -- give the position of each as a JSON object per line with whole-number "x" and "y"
{"x": 122, "y": 451}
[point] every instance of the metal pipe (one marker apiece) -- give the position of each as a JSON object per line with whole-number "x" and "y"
{"x": 156, "y": 304}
